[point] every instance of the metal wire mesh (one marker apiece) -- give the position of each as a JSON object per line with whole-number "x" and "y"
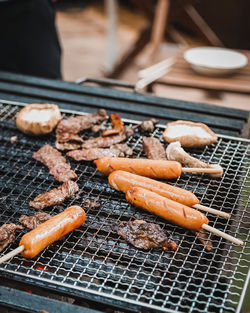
{"x": 94, "y": 259}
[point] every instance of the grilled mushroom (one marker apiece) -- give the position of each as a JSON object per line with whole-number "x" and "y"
{"x": 38, "y": 119}
{"x": 189, "y": 134}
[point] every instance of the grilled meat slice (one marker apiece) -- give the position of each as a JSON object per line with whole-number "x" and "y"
{"x": 176, "y": 153}
{"x": 153, "y": 148}
{"x": 91, "y": 204}
{"x": 145, "y": 235}
{"x": 98, "y": 129}
{"x": 55, "y": 196}
{"x": 74, "y": 125}
{"x": 7, "y": 234}
{"x": 92, "y": 153}
{"x": 68, "y": 137}
{"x": 96, "y": 153}
{"x": 67, "y": 145}
{"x": 117, "y": 125}
{"x": 148, "y": 126}
{"x": 56, "y": 163}
{"x": 203, "y": 237}
{"x": 104, "y": 142}
{"x": 32, "y": 222}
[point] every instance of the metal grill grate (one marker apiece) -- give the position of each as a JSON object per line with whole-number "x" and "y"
{"x": 93, "y": 261}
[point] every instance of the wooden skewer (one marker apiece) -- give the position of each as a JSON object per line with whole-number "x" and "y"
{"x": 222, "y": 234}
{"x": 201, "y": 170}
{"x": 213, "y": 230}
{"x": 11, "y": 254}
{"x": 142, "y": 83}
{"x": 210, "y": 210}
{"x": 156, "y": 67}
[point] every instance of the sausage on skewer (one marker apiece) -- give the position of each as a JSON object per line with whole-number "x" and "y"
{"x": 145, "y": 167}
{"x": 123, "y": 181}
{"x": 53, "y": 229}
{"x": 172, "y": 211}
{"x": 48, "y": 232}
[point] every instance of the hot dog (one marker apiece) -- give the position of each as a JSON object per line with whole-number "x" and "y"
{"x": 143, "y": 167}
{"x": 172, "y": 211}
{"x": 53, "y": 229}
{"x": 123, "y": 181}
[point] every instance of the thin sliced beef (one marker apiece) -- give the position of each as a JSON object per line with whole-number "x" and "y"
{"x": 204, "y": 239}
{"x": 73, "y": 125}
{"x": 96, "y": 153}
{"x": 145, "y": 235}
{"x": 32, "y": 222}
{"x": 91, "y": 204}
{"x": 55, "y": 196}
{"x": 7, "y": 234}
{"x": 148, "y": 126}
{"x": 56, "y": 163}
{"x": 117, "y": 125}
{"x": 104, "y": 142}
{"x": 68, "y": 137}
{"x": 67, "y": 145}
{"x": 153, "y": 148}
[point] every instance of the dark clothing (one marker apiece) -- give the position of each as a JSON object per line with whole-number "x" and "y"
{"x": 28, "y": 38}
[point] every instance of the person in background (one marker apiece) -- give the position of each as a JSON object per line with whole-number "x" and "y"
{"x": 29, "y": 42}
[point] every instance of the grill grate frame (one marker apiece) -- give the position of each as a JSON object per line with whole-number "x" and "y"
{"x": 94, "y": 261}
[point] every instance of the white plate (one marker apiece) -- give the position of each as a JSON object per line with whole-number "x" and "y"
{"x": 215, "y": 61}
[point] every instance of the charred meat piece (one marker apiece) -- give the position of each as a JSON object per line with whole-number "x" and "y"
{"x": 67, "y": 145}
{"x": 96, "y": 153}
{"x": 189, "y": 134}
{"x": 145, "y": 235}
{"x": 92, "y": 153}
{"x": 153, "y": 148}
{"x": 91, "y": 204}
{"x": 56, "y": 163}
{"x": 104, "y": 142}
{"x": 124, "y": 149}
{"x": 203, "y": 238}
{"x": 117, "y": 125}
{"x": 73, "y": 125}
{"x": 68, "y": 137}
{"x": 176, "y": 153}
{"x": 148, "y": 126}
{"x": 98, "y": 129}
{"x": 32, "y": 222}
{"x": 7, "y": 234}
{"x": 55, "y": 196}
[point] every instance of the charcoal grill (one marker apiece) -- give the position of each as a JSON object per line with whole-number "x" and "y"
{"x": 94, "y": 263}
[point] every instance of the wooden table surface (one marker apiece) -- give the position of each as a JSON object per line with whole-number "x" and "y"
{"x": 182, "y": 74}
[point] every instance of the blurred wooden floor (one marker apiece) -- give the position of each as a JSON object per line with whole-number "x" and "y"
{"x": 83, "y": 38}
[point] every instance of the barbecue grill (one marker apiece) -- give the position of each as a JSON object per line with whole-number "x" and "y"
{"x": 94, "y": 263}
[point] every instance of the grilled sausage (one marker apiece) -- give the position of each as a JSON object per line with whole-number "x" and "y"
{"x": 124, "y": 181}
{"x": 143, "y": 167}
{"x": 172, "y": 211}
{"x": 53, "y": 229}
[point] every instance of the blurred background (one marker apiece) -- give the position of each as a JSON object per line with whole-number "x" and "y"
{"x": 117, "y": 39}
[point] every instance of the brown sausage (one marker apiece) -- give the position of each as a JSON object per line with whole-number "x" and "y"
{"x": 172, "y": 211}
{"x": 143, "y": 167}
{"x": 124, "y": 181}
{"x": 53, "y": 229}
